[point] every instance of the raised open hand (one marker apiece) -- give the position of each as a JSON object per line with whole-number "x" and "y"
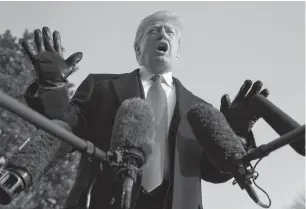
{"x": 50, "y": 67}
{"x": 239, "y": 113}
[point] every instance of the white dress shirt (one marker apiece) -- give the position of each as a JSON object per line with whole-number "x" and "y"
{"x": 167, "y": 85}
{"x": 169, "y": 88}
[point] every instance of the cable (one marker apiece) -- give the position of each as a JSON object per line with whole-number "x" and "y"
{"x": 253, "y": 177}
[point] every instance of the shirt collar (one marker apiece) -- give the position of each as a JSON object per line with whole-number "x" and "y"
{"x": 146, "y": 75}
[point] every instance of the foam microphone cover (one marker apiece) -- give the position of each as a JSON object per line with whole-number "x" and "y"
{"x": 219, "y": 141}
{"x": 134, "y": 127}
{"x": 41, "y": 153}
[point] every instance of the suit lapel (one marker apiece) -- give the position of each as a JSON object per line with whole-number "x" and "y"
{"x": 128, "y": 86}
{"x": 184, "y": 100}
{"x": 185, "y": 153}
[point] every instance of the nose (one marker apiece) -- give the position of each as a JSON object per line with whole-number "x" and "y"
{"x": 162, "y": 34}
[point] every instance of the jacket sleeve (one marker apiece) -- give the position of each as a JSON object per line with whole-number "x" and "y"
{"x": 45, "y": 150}
{"x": 55, "y": 104}
{"x": 209, "y": 172}
{"x": 212, "y": 174}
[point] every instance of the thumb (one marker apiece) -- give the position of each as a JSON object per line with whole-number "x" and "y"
{"x": 225, "y": 103}
{"x": 72, "y": 61}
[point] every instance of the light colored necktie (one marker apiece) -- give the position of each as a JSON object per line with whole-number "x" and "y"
{"x": 153, "y": 172}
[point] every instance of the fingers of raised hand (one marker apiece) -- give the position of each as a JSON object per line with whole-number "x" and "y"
{"x": 57, "y": 42}
{"x": 225, "y": 102}
{"x": 29, "y": 50}
{"x": 70, "y": 71}
{"x": 265, "y": 92}
{"x": 47, "y": 37}
{"x": 38, "y": 39}
{"x": 72, "y": 61}
{"x": 243, "y": 91}
{"x": 255, "y": 89}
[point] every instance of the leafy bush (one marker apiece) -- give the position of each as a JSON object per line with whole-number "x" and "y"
{"x": 16, "y": 74}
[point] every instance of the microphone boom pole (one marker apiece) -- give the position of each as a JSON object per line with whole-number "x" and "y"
{"x": 119, "y": 156}
{"x": 279, "y": 121}
{"x": 265, "y": 149}
{"x": 45, "y": 124}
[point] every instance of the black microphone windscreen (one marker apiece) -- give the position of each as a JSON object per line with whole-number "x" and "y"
{"x": 134, "y": 127}
{"x": 40, "y": 153}
{"x": 219, "y": 141}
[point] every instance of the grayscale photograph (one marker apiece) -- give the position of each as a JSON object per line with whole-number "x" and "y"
{"x": 152, "y": 105}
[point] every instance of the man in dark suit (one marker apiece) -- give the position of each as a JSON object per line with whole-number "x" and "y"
{"x": 174, "y": 184}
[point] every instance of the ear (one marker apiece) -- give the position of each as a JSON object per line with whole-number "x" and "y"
{"x": 137, "y": 50}
{"x": 178, "y": 49}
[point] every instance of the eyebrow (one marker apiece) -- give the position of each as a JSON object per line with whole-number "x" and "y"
{"x": 167, "y": 25}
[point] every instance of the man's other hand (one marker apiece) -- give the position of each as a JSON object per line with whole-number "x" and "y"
{"x": 239, "y": 113}
{"x": 50, "y": 67}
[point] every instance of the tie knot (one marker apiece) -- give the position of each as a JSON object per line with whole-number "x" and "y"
{"x": 157, "y": 77}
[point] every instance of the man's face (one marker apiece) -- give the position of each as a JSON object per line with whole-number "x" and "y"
{"x": 159, "y": 47}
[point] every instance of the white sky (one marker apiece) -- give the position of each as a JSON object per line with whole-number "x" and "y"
{"x": 223, "y": 44}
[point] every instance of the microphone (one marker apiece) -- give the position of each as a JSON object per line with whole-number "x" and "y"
{"x": 49, "y": 126}
{"x": 133, "y": 132}
{"x": 114, "y": 158}
{"x": 278, "y": 120}
{"x": 221, "y": 145}
{"x": 13, "y": 180}
{"x": 13, "y": 183}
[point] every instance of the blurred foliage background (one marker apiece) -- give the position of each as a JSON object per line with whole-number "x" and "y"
{"x": 16, "y": 74}
{"x": 299, "y": 201}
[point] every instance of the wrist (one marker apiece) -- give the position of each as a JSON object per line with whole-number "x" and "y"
{"x": 51, "y": 85}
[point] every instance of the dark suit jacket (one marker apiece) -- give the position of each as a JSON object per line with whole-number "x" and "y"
{"x": 91, "y": 114}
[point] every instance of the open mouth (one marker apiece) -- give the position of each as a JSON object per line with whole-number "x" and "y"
{"x": 162, "y": 47}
